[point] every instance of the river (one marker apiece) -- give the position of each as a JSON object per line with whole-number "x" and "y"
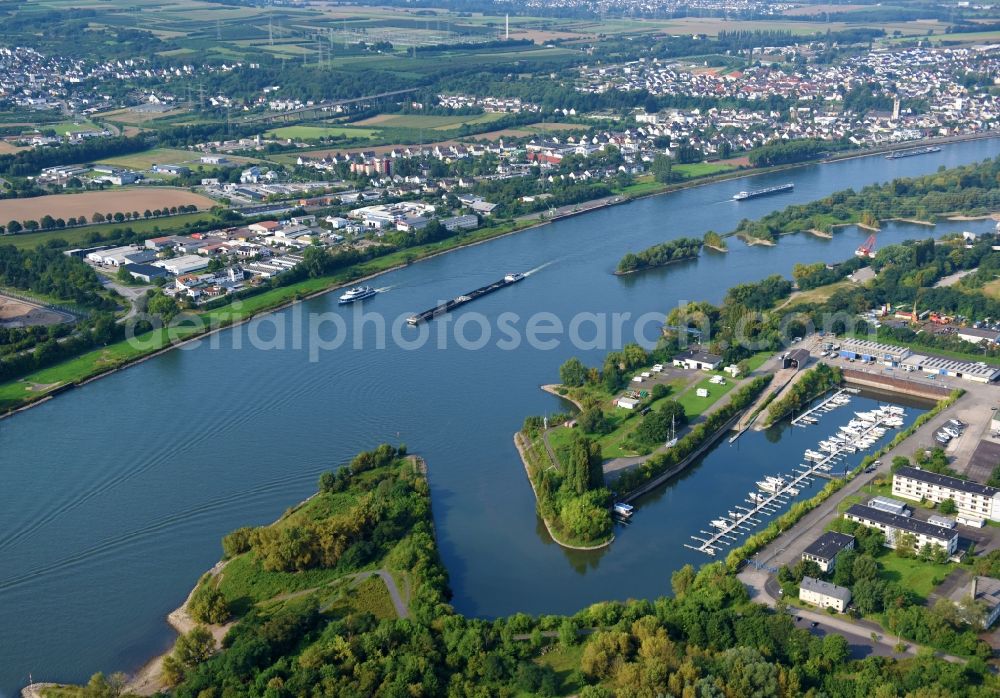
{"x": 115, "y": 495}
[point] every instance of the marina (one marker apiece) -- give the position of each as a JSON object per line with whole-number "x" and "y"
{"x": 777, "y": 491}
{"x": 459, "y": 301}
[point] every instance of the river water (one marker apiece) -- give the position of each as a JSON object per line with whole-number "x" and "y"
{"x": 114, "y": 496}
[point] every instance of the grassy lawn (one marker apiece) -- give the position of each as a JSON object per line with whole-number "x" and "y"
{"x": 758, "y": 360}
{"x": 315, "y": 132}
{"x": 820, "y": 294}
{"x": 991, "y": 289}
{"x": 436, "y": 123}
{"x": 370, "y": 596}
{"x": 563, "y": 661}
{"x": 916, "y": 575}
{"x": 245, "y": 582}
{"x": 694, "y": 405}
{"x": 702, "y": 169}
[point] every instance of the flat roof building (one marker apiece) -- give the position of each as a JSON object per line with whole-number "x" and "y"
{"x": 893, "y": 506}
{"x": 866, "y": 350}
{"x": 824, "y": 550}
{"x": 184, "y": 264}
{"x": 824, "y": 594}
{"x": 942, "y": 366}
{"x": 971, "y": 498}
{"x": 986, "y": 590}
{"x": 894, "y": 526}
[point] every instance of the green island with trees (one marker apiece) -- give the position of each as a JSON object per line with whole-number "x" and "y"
{"x": 968, "y": 190}
{"x": 660, "y": 255}
{"x": 307, "y": 612}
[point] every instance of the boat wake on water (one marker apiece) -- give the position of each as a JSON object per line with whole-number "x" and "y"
{"x": 540, "y": 267}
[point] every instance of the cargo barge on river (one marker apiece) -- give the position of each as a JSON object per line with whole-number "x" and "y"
{"x": 744, "y": 195}
{"x": 448, "y": 306}
{"x": 913, "y": 151}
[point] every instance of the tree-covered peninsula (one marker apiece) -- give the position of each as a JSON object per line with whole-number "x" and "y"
{"x": 345, "y": 595}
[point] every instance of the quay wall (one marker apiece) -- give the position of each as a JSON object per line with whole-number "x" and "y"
{"x": 895, "y": 384}
{"x": 680, "y": 467}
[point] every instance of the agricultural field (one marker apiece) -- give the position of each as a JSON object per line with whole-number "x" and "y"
{"x": 435, "y": 123}
{"x": 137, "y": 118}
{"x": 87, "y": 203}
{"x": 314, "y": 132}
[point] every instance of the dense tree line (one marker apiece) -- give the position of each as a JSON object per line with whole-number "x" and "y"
{"x": 787, "y": 152}
{"x": 49, "y": 272}
{"x": 29, "y": 162}
{"x": 812, "y": 383}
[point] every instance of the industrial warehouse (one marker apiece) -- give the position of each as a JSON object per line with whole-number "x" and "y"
{"x": 893, "y": 356}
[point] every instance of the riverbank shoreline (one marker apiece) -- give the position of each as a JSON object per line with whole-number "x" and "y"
{"x": 519, "y": 445}
{"x": 528, "y": 224}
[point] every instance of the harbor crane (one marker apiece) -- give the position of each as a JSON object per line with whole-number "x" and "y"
{"x": 867, "y": 249}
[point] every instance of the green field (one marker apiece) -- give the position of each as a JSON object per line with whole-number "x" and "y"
{"x": 316, "y": 132}
{"x": 703, "y": 169}
{"x": 694, "y": 405}
{"x": 156, "y": 156}
{"x": 76, "y": 237}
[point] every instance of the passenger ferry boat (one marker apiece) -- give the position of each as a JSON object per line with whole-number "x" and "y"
{"x": 358, "y": 293}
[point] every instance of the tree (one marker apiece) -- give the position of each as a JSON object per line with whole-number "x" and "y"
{"x": 948, "y": 506}
{"x": 209, "y": 605}
{"x": 593, "y": 421}
{"x": 585, "y": 518}
{"x": 97, "y": 218}
{"x": 572, "y": 373}
{"x": 124, "y": 276}
{"x": 682, "y": 580}
{"x": 190, "y": 651}
{"x": 14, "y": 227}
{"x": 836, "y": 649}
{"x": 567, "y": 632}
{"x": 906, "y": 545}
{"x": 662, "y": 169}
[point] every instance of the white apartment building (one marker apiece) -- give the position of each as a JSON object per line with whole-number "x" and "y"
{"x": 971, "y": 498}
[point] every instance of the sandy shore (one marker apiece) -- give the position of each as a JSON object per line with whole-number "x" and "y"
{"x": 820, "y": 233}
{"x": 149, "y": 679}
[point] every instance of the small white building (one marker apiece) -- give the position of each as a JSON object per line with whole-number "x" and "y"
{"x": 627, "y": 403}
